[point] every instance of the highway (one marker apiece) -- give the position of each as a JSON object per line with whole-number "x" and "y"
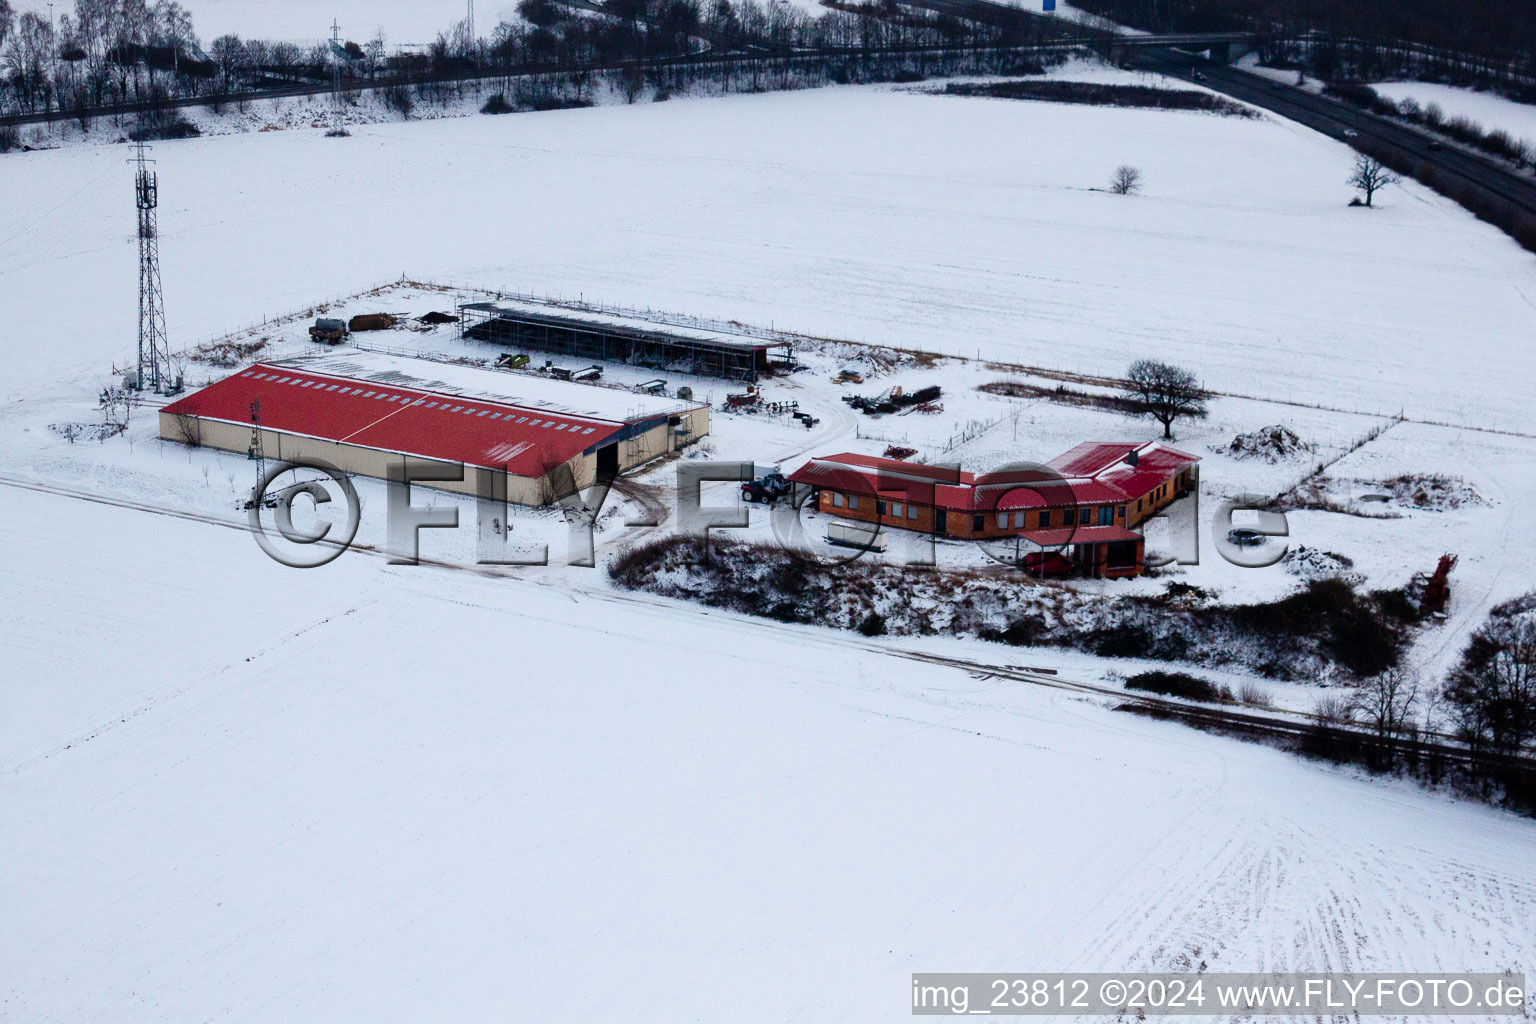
{"x": 1456, "y": 170}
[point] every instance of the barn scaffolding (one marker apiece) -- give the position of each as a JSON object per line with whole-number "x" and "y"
{"x": 617, "y": 338}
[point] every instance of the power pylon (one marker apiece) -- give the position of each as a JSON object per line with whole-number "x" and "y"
{"x": 154, "y": 348}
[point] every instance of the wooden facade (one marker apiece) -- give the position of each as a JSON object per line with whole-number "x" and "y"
{"x": 1091, "y": 514}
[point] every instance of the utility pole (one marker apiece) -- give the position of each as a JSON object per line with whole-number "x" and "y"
{"x": 154, "y": 348}
{"x": 469, "y": 23}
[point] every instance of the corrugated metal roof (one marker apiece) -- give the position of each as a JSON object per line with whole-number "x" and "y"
{"x": 630, "y": 325}
{"x": 453, "y": 428}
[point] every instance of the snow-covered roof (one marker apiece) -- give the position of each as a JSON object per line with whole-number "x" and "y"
{"x": 1096, "y": 472}
{"x": 631, "y": 323}
{"x": 525, "y": 390}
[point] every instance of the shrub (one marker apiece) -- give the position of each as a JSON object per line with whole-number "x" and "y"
{"x": 1175, "y": 684}
{"x": 1025, "y": 631}
{"x": 1253, "y": 693}
{"x": 1332, "y": 709}
{"x": 497, "y": 104}
{"x": 873, "y": 624}
{"x": 168, "y": 125}
{"x": 10, "y": 138}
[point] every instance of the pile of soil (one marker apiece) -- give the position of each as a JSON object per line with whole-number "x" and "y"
{"x": 1272, "y": 444}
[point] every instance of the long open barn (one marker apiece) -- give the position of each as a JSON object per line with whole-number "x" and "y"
{"x": 618, "y": 337}
{"x": 365, "y": 413}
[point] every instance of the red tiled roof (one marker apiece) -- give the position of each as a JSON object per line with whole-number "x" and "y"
{"x": 1080, "y": 535}
{"x": 528, "y": 442}
{"x": 1093, "y": 473}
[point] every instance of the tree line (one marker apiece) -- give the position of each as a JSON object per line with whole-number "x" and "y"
{"x": 115, "y": 53}
{"x": 1473, "y": 42}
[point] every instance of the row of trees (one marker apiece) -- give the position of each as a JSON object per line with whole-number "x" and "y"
{"x": 1488, "y": 42}
{"x": 111, "y": 52}
{"x": 100, "y": 51}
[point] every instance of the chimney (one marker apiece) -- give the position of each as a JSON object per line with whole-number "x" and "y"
{"x": 1133, "y": 457}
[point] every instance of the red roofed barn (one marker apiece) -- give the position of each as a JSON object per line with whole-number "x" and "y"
{"x": 365, "y": 413}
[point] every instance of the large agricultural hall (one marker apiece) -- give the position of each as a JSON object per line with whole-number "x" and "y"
{"x": 365, "y": 412}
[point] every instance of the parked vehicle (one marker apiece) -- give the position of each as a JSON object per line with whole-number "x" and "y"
{"x": 512, "y": 360}
{"x": 328, "y": 330}
{"x": 766, "y": 489}
{"x": 1047, "y": 563}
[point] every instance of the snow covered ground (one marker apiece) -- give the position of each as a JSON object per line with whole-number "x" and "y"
{"x": 1488, "y": 109}
{"x": 373, "y": 793}
{"x": 960, "y": 225}
{"x": 386, "y": 793}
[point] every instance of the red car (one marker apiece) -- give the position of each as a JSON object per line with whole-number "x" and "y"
{"x": 1047, "y": 563}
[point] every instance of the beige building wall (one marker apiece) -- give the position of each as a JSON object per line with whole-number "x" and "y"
{"x": 281, "y": 446}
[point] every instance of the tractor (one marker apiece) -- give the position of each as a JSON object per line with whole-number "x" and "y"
{"x": 766, "y": 489}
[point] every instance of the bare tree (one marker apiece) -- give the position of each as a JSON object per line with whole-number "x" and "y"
{"x": 1492, "y": 693}
{"x": 229, "y": 55}
{"x": 1387, "y": 703}
{"x": 1370, "y": 175}
{"x": 188, "y": 430}
{"x": 1165, "y": 393}
{"x": 1127, "y": 180}
{"x": 7, "y": 15}
{"x": 116, "y": 406}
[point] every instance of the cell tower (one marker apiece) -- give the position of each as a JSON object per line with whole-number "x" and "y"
{"x": 154, "y": 348}
{"x": 336, "y": 52}
{"x": 470, "y": 24}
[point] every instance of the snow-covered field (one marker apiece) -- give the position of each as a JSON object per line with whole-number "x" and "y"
{"x": 1488, "y": 109}
{"x": 240, "y": 792}
{"x": 232, "y": 790}
{"x": 866, "y": 213}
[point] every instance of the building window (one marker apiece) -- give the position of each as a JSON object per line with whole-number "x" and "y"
{"x": 1106, "y": 515}
{"x": 911, "y": 512}
{"x": 1018, "y": 520}
{"x": 1002, "y": 520}
{"x": 1082, "y": 516}
{"x": 853, "y": 502}
{"x": 837, "y": 500}
{"x": 896, "y": 509}
{"x": 1121, "y": 512}
{"x": 1045, "y": 519}
{"x": 879, "y": 508}
{"x": 978, "y": 524}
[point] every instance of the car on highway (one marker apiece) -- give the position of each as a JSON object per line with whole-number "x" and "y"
{"x": 1435, "y": 145}
{"x": 1245, "y": 538}
{"x": 1350, "y": 133}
